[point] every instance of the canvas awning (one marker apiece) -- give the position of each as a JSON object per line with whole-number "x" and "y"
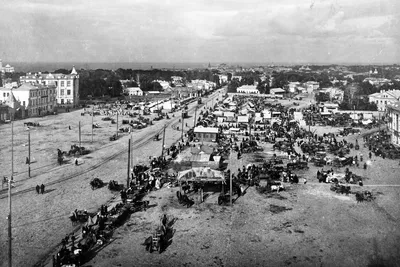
{"x": 201, "y": 174}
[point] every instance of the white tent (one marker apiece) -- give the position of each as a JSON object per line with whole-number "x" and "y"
{"x": 201, "y": 174}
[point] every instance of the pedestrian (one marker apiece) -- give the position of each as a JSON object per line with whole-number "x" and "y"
{"x": 370, "y": 155}
{"x": 69, "y": 127}
{"x": 365, "y": 166}
{"x": 42, "y": 189}
{"x": 38, "y": 189}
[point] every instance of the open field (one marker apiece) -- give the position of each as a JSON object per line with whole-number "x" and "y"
{"x": 306, "y": 225}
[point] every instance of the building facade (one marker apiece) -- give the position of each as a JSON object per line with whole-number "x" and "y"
{"x": 35, "y": 99}
{"x": 247, "y": 89}
{"x": 67, "y": 85}
{"x": 393, "y": 112}
{"x": 383, "y": 98}
{"x": 206, "y": 134}
{"x": 6, "y": 69}
{"x": 133, "y": 91}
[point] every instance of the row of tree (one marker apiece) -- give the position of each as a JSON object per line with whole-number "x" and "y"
{"x": 101, "y": 82}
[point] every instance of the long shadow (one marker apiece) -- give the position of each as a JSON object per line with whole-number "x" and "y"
{"x": 93, "y": 253}
{"x": 170, "y": 231}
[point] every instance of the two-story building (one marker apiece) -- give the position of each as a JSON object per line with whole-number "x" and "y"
{"x": 67, "y": 85}
{"x": 393, "y": 111}
{"x": 36, "y": 99}
{"x": 383, "y": 98}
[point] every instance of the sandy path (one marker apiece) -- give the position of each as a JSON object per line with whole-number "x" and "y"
{"x": 40, "y": 221}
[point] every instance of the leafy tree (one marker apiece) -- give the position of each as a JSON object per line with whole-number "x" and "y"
{"x": 63, "y": 71}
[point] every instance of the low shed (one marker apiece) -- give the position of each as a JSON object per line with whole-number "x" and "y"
{"x": 206, "y": 134}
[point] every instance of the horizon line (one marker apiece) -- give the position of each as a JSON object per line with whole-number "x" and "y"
{"x": 204, "y": 62}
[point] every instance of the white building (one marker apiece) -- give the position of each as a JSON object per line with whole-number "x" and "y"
{"x": 293, "y": 86}
{"x": 223, "y": 78}
{"x": 393, "y": 110}
{"x": 6, "y": 69}
{"x": 377, "y": 81}
{"x": 311, "y": 86}
{"x": 276, "y": 91}
{"x": 247, "y": 89}
{"x": 383, "y": 98}
{"x": 133, "y": 91}
{"x": 67, "y": 85}
{"x": 37, "y": 99}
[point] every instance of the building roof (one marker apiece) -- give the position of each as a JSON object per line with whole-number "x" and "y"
{"x": 29, "y": 86}
{"x": 394, "y": 106}
{"x": 277, "y": 90}
{"x": 201, "y": 174}
{"x": 206, "y": 130}
{"x": 133, "y": 89}
{"x": 247, "y": 88}
{"x": 203, "y": 157}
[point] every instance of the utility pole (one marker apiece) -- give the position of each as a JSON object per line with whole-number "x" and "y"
{"x": 163, "y": 142}
{"x": 183, "y": 117}
{"x": 131, "y": 150}
{"x": 79, "y": 133}
{"x": 9, "y": 196}
{"x": 117, "y": 123}
{"x": 92, "y": 122}
{"x": 129, "y": 163}
{"x": 29, "y": 153}
{"x": 195, "y": 113}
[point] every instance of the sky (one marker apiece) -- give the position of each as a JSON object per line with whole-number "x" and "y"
{"x": 260, "y": 31}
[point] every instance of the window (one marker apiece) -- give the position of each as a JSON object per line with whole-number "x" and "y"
{"x": 4, "y": 94}
{"x": 62, "y": 83}
{"x": 23, "y": 103}
{"x": 62, "y": 101}
{"x": 68, "y": 83}
{"x": 62, "y": 92}
{"x": 68, "y": 92}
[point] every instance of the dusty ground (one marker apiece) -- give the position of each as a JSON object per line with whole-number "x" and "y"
{"x": 306, "y": 225}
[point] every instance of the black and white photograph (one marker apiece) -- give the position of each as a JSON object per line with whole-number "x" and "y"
{"x": 215, "y": 133}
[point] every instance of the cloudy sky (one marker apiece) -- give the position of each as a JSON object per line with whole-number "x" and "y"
{"x": 273, "y": 31}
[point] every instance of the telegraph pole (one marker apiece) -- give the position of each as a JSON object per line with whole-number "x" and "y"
{"x": 9, "y": 196}
{"x": 183, "y": 117}
{"x": 117, "y": 123}
{"x": 92, "y": 122}
{"x": 129, "y": 163}
{"x": 79, "y": 134}
{"x": 29, "y": 153}
{"x": 195, "y": 113}
{"x": 163, "y": 142}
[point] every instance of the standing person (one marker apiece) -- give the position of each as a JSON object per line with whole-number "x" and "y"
{"x": 38, "y": 189}
{"x": 42, "y": 189}
{"x": 370, "y": 155}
